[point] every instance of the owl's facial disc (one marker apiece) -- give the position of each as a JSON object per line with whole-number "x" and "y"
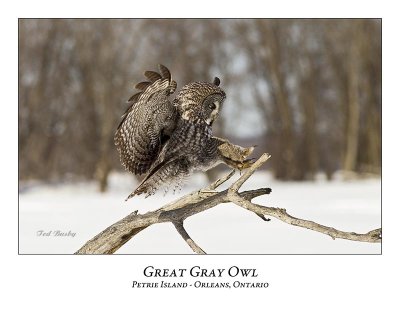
{"x": 211, "y": 108}
{"x": 214, "y": 110}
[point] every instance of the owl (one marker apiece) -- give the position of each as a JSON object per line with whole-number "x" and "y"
{"x": 167, "y": 139}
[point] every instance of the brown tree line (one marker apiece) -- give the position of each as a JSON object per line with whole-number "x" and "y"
{"x": 316, "y": 83}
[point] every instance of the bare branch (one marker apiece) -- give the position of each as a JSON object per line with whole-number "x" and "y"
{"x": 220, "y": 181}
{"x": 116, "y": 235}
{"x": 238, "y": 183}
{"x": 181, "y": 230}
{"x": 281, "y": 214}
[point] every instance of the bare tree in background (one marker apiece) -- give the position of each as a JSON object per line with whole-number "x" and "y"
{"x": 315, "y": 83}
{"x": 315, "y": 99}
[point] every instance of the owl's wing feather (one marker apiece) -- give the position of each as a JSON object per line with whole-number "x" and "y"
{"x": 172, "y": 165}
{"x": 152, "y": 76}
{"x": 170, "y": 168}
{"x": 167, "y": 166}
{"x": 147, "y": 123}
{"x": 165, "y": 174}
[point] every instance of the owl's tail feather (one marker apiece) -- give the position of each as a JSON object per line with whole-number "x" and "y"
{"x": 172, "y": 173}
{"x": 137, "y": 191}
{"x": 147, "y": 188}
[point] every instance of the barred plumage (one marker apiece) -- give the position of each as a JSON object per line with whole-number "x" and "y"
{"x": 169, "y": 140}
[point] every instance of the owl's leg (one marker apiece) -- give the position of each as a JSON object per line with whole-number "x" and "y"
{"x": 236, "y": 156}
{"x": 239, "y": 165}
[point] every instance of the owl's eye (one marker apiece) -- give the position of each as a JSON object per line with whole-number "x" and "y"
{"x": 212, "y": 106}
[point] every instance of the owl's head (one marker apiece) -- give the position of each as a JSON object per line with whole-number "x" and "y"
{"x": 200, "y": 101}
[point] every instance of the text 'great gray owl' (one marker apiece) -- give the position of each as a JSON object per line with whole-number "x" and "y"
{"x": 169, "y": 139}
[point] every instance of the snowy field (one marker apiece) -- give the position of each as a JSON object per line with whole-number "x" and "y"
{"x": 78, "y": 209}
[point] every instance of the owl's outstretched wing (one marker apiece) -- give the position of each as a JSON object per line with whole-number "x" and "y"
{"x": 147, "y": 123}
{"x": 171, "y": 165}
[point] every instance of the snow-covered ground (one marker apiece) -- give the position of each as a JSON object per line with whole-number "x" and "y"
{"x": 80, "y": 210}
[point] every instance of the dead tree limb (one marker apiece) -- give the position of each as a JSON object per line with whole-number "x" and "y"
{"x": 116, "y": 235}
{"x": 181, "y": 230}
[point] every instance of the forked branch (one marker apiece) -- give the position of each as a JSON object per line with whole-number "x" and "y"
{"x": 116, "y": 235}
{"x": 181, "y": 230}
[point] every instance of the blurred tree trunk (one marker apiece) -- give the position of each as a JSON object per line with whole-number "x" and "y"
{"x": 316, "y": 84}
{"x": 353, "y": 106}
{"x": 271, "y": 36}
{"x": 373, "y": 133}
{"x": 309, "y": 128}
{"x": 371, "y": 85}
{"x": 307, "y": 69}
{"x": 103, "y": 165}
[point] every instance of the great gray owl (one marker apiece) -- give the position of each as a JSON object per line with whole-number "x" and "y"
{"x": 168, "y": 140}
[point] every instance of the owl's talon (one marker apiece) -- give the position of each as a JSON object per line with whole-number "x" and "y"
{"x": 239, "y": 165}
{"x": 246, "y": 164}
